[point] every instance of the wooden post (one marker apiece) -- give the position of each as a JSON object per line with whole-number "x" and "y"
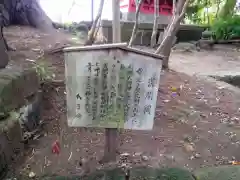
{"x": 92, "y": 10}
{"x": 116, "y": 21}
{"x": 111, "y": 134}
{"x": 155, "y": 23}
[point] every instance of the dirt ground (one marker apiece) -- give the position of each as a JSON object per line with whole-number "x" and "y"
{"x": 198, "y": 127}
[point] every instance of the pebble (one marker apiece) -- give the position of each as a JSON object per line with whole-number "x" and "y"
{"x": 145, "y": 158}
{"x": 31, "y": 175}
{"x": 197, "y": 155}
{"x": 192, "y": 157}
{"x": 194, "y": 127}
{"x": 137, "y": 154}
{"x": 125, "y": 154}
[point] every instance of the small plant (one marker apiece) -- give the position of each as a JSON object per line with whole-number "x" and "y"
{"x": 227, "y": 28}
{"x": 43, "y": 71}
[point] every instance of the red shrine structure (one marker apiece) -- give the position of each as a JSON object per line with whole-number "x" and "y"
{"x": 129, "y": 6}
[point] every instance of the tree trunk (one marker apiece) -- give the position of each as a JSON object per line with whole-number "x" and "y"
{"x": 155, "y": 24}
{"x": 228, "y": 8}
{"x": 218, "y": 8}
{"x": 135, "y": 28}
{"x": 22, "y": 12}
{"x": 93, "y": 31}
{"x": 168, "y": 38}
{"x": 3, "y": 52}
{"x": 25, "y": 12}
{"x": 164, "y": 49}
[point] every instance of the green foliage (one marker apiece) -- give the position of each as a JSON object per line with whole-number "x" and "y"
{"x": 228, "y": 8}
{"x": 197, "y": 12}
{"x": 227, "y": 28}
{"x": 43, "y": 70}
{"x": 207, "y": 11}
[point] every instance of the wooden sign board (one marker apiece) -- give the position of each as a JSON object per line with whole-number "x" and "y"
{"x": 111, "y": 86}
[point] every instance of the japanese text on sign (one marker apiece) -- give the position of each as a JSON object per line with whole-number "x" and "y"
{"x": 114, "y": 92}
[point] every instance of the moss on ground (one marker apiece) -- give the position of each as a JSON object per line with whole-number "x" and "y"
{"x": 147, "y": 173}
{"x": 219, "y": 173}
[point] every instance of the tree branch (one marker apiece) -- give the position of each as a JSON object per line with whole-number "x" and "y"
{"x": 70, "y": 9}
{"x": 91, "y": 33}
{"x": 179, "y": 11}
{"x": 134, "y": 32}
{"x": 184, "y": 10}
{"x": 155, "y": 23}
{"x": 174, "y": 7}
{"x": 98, "y": 26}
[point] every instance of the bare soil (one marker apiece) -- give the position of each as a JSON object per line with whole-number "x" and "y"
{"x": 196, "y": 128}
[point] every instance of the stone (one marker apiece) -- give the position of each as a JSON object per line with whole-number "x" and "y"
{"x": 189, "y": 147}
{"x": 30, "y": 114}
{"x": 145, "y": 158}
{"x": 15, "y": 86}
{"x": 10, "y": 141}
{"x": 207, "y": 34}
{"x": 32, "y": 175}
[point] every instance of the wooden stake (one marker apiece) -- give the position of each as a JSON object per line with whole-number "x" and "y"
{"x": 111, "y": 134}
{"x": 135, "y": 27}
{"x": 92, "y": 10}
{"x": 155, "y": 23}
{"x": 116, "y": 21}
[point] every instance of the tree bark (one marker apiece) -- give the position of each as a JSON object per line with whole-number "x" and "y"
{"x": 155, "y": 23}
{"x": 3, "y": 52}
{"x": 24, "y": 12}
{"x": 170, "y": 32}
{"x": 218, "y": 8}
{"x": 135, "y": 28}
{"x": 93, "y": 31}
{"x": 166, "y": 44}
{"x": 227, "y": 9}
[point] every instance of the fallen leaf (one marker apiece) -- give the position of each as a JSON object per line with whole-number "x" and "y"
{"x": 56, "y": 147}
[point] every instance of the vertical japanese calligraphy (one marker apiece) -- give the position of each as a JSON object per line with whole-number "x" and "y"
{"x": 121, "y": 86}
{"x": 137, "y": 92}
{"x": 88, "y": 90}
{"x": 113, "y": 90}
{"x": 128, "y": 97}
{"x": 152, "y": 81}
{"x": 104, "y": 93}
{"x": 95, "y": 91}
